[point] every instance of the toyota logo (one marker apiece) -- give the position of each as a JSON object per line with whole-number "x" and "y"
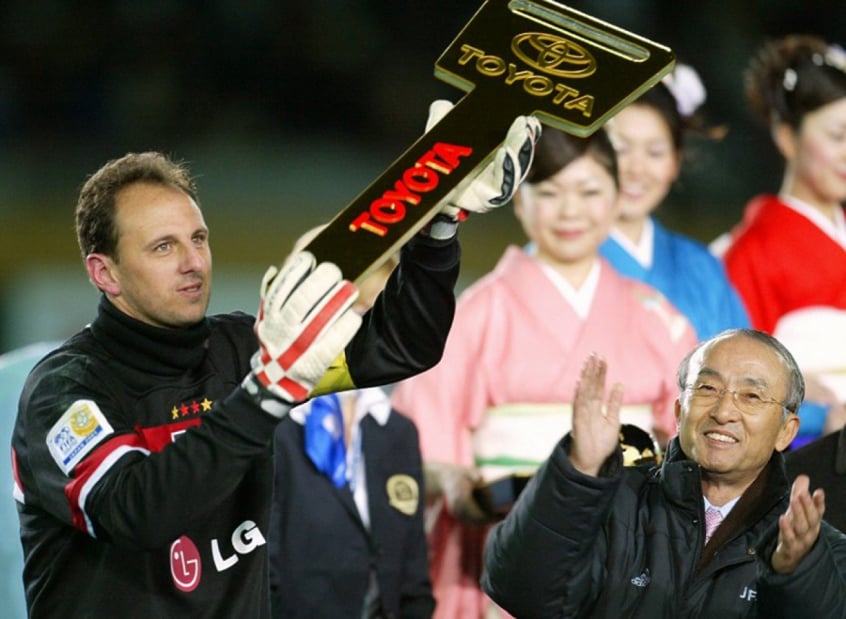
{"x": 553, "y": 55}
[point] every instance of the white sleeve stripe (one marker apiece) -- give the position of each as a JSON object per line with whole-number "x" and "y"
{"x": 107, "y": 463}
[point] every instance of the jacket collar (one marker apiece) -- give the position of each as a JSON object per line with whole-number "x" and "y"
{"x": 772, "y": 483}
{"x": 147, "y": 348}
{"x": 766, "y": 493}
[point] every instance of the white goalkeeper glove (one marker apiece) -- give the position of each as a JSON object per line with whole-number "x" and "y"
{"x": 496, "y": 184}
{"x": 304, "y": 322}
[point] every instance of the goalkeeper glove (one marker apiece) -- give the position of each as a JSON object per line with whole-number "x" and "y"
{"x": 497, "y": 182}
{"x": 305, "y": 321}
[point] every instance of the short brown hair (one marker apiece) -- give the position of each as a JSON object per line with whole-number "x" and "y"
{"x": 95, "y": 209}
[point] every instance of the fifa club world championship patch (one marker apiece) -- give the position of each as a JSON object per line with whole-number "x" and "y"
{"x": 78, "y": 431}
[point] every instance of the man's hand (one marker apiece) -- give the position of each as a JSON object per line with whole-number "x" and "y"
{"x": 596, "y": 421}
{"x": 799, "y": 526}
{"x": 454, "y": 484}
{"x": 304, "y": 322}
{"x": 497, "y": 183}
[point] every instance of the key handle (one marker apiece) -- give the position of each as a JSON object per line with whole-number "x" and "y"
{"x": 569, "y": 69}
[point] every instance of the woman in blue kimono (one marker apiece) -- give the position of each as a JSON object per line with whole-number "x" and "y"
{"x": 648, "y": 137}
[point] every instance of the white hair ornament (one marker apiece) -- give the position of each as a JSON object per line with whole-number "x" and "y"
{"x": 789, "y": 80}
{"x": 686, "y": 87}
{"x": 835, "y": 56}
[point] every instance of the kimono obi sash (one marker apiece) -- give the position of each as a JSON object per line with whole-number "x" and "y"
{"x": 516, "y": 438}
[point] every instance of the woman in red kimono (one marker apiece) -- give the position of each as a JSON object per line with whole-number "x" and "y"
{"x": 787, "y": 258}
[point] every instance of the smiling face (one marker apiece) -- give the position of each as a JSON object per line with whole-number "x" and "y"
{"x": 816, "y": 156}
{"x": 161, "y": 272}
{"x": 732, "y": 447}
{"x": 569, "y": 214}
{"x": 646, "y": 157}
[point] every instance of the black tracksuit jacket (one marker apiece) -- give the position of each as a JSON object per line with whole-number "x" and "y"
{"x": 144, "y": 471}
{"x": 629, "y": 544}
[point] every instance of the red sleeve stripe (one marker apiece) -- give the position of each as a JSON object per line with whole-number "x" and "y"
{"x": 92, "y": 469}
{"x": 17, "y": 488}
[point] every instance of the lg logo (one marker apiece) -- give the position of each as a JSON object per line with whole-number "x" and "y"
{"x": 186, "y": 565}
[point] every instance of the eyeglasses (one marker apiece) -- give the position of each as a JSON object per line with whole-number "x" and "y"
{"x": 748, "y": 400}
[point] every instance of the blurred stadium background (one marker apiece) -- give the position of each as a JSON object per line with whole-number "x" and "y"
{"x": 286, "y": 110}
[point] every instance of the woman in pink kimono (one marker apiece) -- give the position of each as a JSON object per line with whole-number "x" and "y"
{"x": 787, "y": 258}
{"x": 497, "y": 401}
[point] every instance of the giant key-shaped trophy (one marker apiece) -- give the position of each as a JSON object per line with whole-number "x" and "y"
{"x": 514, "y": 57}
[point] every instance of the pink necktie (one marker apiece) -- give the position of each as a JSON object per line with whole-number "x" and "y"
{"x": 713, "y": 518}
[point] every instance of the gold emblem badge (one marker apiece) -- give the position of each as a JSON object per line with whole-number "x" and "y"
{"x": 403, "y": 493}
{"x": 82, "y": 420}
